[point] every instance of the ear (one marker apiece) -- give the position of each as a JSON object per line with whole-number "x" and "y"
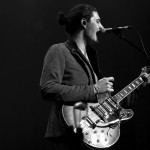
{"x": 84, "y": 22}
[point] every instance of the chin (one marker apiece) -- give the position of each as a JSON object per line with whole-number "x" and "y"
{"x": 92, "y": 39}
{"x": 95, "y": 40}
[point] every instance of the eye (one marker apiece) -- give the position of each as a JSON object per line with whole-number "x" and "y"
{"x": 98, "y": 21}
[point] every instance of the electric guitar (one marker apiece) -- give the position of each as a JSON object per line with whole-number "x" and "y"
{"x": 100, "y": 122}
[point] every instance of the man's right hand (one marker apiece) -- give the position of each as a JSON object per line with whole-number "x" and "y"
{"x": 104, "y": 85}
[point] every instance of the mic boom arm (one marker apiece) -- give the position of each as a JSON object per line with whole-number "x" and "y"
{"x": 143, "y": 52}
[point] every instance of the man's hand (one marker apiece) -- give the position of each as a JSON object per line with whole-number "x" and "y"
{"x": 147, "y": 77}
{"x": 145, "y": 74}
{"x": 104, "y": 85}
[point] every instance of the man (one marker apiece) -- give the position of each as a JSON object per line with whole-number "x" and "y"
{"x": 70, "y": 73}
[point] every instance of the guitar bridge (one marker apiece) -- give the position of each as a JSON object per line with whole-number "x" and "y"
{"x": 92, "y": 124}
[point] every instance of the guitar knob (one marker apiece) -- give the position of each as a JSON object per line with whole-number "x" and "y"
{"x": 89, "y": 142}
{"x": 95, "y": 132}
{"x": 102, "y": 131}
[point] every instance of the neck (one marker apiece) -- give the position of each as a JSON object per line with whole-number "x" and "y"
{"x": 80, "y": 41}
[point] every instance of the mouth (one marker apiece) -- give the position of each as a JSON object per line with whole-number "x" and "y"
{"x": 98, "y": 32}
{"x": 101, "y": 31}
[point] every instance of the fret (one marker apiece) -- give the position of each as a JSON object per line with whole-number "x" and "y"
{"x": 140, "y": 79}
{"x": 117, "y": 97}
{"x": 128, "y": 89}
{"x": 125, "y": 91}
{"x": 137, "y": 82}
{"x": 121, "y": 94}
{"x": 133, "y": 85}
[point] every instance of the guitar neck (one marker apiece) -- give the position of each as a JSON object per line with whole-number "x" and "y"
{"x": 128, "y": 89}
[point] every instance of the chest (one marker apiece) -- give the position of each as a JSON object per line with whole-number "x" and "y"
{"x": 77, "y": 71}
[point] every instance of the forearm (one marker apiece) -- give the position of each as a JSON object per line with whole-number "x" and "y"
{"x": 68, "y": 94}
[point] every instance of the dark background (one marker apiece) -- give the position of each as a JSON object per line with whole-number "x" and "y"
{"x": 27, "y": 29}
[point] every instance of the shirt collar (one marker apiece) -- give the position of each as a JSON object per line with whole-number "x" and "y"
{"x": 71, "y": 44}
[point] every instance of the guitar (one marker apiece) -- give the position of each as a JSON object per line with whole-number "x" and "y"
{"x": 100, "y": 122}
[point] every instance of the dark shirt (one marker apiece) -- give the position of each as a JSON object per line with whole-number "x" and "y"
{"x": 67, "y": 78}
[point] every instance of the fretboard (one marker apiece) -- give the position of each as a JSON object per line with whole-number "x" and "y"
{"x": 128, "y": 89}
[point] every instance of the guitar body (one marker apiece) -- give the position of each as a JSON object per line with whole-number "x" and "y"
{"x": 101, "y": 136}
{"x": 100, "y": 122}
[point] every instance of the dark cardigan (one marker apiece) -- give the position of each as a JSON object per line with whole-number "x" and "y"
{"x": 67, "y": 78}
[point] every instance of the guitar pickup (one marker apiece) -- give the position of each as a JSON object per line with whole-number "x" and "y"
{"x": 92, "y": 124}
{"x": 98, "y": 113}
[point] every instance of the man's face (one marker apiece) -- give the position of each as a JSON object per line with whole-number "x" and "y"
{"x": 93, "y": 27}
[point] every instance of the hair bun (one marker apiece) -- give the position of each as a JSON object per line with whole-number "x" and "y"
{"x": 62, "y": 19}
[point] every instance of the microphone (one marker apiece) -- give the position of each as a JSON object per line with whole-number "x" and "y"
{"x": 116, "y": 30}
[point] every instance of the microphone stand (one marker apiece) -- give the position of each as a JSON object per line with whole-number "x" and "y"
{"x": 133, "y": 45}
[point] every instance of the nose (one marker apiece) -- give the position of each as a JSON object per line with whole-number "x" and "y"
{"x": 101, "y": 28}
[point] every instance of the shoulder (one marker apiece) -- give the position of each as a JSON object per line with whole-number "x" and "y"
{"x": 58, "y": 45}
{"x": 57, "y": 48}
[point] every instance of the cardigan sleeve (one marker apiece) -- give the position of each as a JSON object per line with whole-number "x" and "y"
{"x": 51, "y": 80}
